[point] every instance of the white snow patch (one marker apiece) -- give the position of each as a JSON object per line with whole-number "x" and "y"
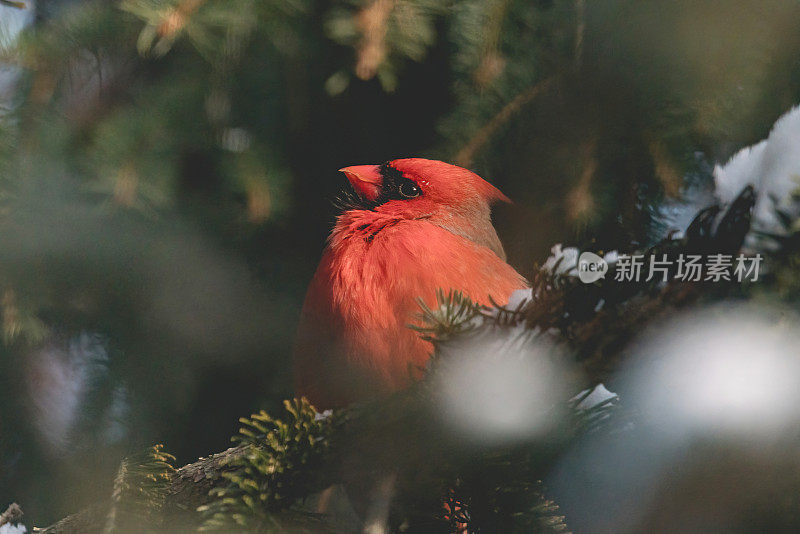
{"x": 599, "y": 394}
{"x": 519, "y": 297}
{"x": 8, "y": 528}
{"x": 12, "y": 22}
{"x": 771, "y": 166}
{"x": 611, "y": 257}
{"x": 321, "y": 416}
{"x": 568, "y": 263}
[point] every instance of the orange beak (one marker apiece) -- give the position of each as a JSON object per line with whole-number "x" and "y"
{"x": 365, "y": 179}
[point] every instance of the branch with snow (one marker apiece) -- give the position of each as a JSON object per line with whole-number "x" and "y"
{"x": 771, "y": 166}
{"x": 11, "y": 520}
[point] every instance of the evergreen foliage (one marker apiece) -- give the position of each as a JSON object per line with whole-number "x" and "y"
{"x": 276, "y": 471}
{"x": 455, "y": 314}
{"x": 140, "y": 489}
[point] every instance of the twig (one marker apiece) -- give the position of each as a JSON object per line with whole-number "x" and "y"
{"x": 467, "y": 154}
{"x": 372, "y": 21}
{"x": 580, "y": 30}
{"x": 12, "y": 3}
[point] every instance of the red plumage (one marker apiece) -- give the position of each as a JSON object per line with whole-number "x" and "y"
{"x": 422, "y": 225}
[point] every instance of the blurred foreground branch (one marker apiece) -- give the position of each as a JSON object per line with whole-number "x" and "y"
{"x": 404, "y": 434}
{"x": 408, "y": 440}
{"x": 401, "y": 433}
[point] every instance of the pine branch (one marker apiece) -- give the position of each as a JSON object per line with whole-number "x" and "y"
{"x": 278, "y": 469}
{"x": 188, "y": 488}
{"x": 140, "y": 489}
{"x": 453, "y": 315}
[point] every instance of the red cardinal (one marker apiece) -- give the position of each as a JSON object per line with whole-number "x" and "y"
{"x": 416, "y": 225}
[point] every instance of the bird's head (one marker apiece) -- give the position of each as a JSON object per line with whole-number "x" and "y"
{"x": 416, "y": 188}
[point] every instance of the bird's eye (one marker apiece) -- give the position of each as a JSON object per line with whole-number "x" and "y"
{"x": 409, "y": 189}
